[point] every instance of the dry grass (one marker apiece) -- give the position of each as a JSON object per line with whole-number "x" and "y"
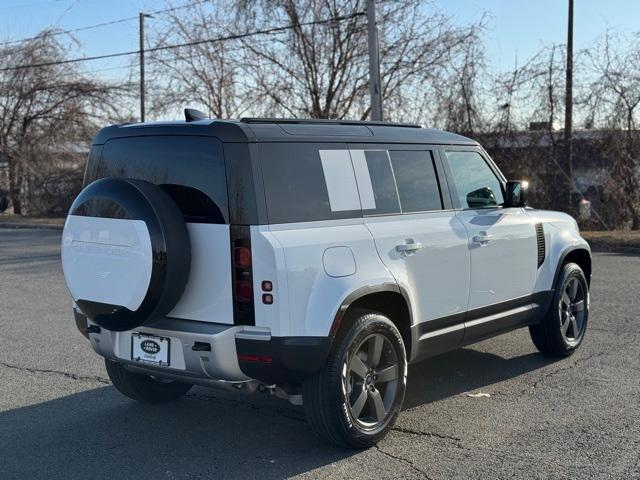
{"x": 17, "y": 220}
{"x": 614, "y": 241}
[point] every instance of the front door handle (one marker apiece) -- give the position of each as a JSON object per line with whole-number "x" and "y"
{"x": 409, "y": 246}
{"x": 482, "y": 238}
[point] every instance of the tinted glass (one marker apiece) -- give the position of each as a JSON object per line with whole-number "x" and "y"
{"x": 382, "y": 182}
{"x": 475, "y": 183}
{"x": 416, "y": 180}
{"x": 186, "y": 167}
{"x": 295, "y": 185}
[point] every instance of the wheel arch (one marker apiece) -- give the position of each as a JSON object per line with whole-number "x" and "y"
{"x": 578, "y": 255}
{"x": 388, "y": 299}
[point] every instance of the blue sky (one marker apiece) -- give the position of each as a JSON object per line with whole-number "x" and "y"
{"x": 521, "y": 27}
{"x": 515, "y": 27}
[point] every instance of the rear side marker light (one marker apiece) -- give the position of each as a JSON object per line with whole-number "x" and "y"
{"x": 267, "y": 298}
{"x": 256, "y": 358}
{"x": 267, "y": 286}
{"x": 242, "y": 257}
{"x": 244, "y": 292}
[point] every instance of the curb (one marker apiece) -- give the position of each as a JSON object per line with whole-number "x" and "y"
{"x": 37, "y": 226}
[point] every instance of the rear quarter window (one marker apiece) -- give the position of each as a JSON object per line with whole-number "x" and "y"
{"x": 306, "y": 182}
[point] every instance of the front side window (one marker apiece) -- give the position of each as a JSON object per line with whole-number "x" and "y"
{"x": 475, "y": 183}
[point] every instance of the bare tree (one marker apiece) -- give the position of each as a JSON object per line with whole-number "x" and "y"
{"x": 529, "y": 96}
{"x": 40, "y": 105}
{"x": 459, "y": 96}
{"x": 615, "y": 99}
{"x": 207, "y": 74}
{"x": 310, "y": 59}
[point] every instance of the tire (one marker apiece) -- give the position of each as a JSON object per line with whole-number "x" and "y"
{"x": 144, "y": 388}
{"x": 562, "y": 330}
{"x": 332, "y": 397}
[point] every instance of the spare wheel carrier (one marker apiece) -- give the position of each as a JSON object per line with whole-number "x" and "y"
{"x": 126, "y": 253}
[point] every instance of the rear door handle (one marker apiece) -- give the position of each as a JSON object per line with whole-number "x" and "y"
{"x": 409, "y": 246}
{"x": 482, "y": 238}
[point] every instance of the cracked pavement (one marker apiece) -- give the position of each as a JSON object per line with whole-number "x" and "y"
{"x": 573, "y": 418}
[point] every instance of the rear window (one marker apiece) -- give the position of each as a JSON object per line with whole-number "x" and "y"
{"x": 190, "y": 169}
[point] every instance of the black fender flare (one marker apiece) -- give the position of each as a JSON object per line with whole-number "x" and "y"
{"x": 361, "y": 292}
{"x": 561, "y": 260}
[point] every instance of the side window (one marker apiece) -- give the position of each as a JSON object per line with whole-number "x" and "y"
{"x": 383, "y": 185}
{"x": 396, "y": 181}
{"x": 308, "y": 182}
{"x": 416, "y": 180}
{"x": 475, "y": 183}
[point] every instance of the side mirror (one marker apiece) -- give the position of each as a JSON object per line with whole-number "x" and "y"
{"x": 516, "y": 194}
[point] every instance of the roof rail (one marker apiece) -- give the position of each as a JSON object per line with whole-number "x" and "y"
{"x": 312, "y": 121}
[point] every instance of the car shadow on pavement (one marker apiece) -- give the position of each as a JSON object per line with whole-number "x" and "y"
{"x": 465, "y": 370}
{"x": 98, "y": 433}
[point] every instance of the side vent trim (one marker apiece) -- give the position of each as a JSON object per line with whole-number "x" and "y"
{"x": 542, "y": 247}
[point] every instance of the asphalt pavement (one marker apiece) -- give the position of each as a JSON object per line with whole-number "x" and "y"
{"x": 497, "y": 409}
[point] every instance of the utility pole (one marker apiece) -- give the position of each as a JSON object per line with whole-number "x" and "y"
{"x": 142, "y": 112}
{"x": 375, "y": 90}
{"x": 568, "y": 114}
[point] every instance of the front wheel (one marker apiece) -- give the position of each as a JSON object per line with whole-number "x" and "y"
{"x": 356, "y": 398}
{"x": 144, "y": 388}
{"x": 563, "y": 328}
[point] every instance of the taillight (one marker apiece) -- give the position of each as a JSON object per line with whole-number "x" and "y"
{"x": 242, "y": 275}
{"x": 244, "y": 291}
{"x": 242, "y": 257}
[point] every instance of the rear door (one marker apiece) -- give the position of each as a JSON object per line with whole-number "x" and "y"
{"x": 191, "y": 169}
{"x": 501, "y": 241}
{"x": 418, "y": 236}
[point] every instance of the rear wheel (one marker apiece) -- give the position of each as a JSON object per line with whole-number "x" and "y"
{"x": 356, "y": 398}
{"x": 563, "y": 328}
{"x": 144, "y": 388}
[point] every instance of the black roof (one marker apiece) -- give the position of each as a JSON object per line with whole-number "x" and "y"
{"x": 289, "y": 130}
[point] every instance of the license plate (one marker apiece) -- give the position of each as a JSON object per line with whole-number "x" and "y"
{"x": 150, "y": 349}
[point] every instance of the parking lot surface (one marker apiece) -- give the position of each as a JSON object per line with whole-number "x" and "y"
{"x": 497, "y": 409}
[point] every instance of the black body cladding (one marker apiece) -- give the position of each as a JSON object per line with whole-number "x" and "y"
{"x": 171, "y": 249}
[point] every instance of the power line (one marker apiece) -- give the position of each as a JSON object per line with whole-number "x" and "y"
{"x": 106, "y": 24}
{"x": 266, "y": 31}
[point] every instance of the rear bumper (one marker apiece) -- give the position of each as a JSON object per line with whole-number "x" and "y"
{"x": 282, "y": 359}
{"x": 231, "y": 353}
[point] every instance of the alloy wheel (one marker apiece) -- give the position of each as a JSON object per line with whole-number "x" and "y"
{"x": 371, "y": 380}
{"x": 573, "y": 308}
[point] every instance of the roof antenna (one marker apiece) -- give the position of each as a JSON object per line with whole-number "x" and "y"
{"x": 191, "y": 115}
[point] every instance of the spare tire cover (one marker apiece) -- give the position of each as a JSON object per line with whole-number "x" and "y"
{"x": 126, "y": 253}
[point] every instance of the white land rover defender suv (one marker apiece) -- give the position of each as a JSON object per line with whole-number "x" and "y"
{"x": 310, "y": 259}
